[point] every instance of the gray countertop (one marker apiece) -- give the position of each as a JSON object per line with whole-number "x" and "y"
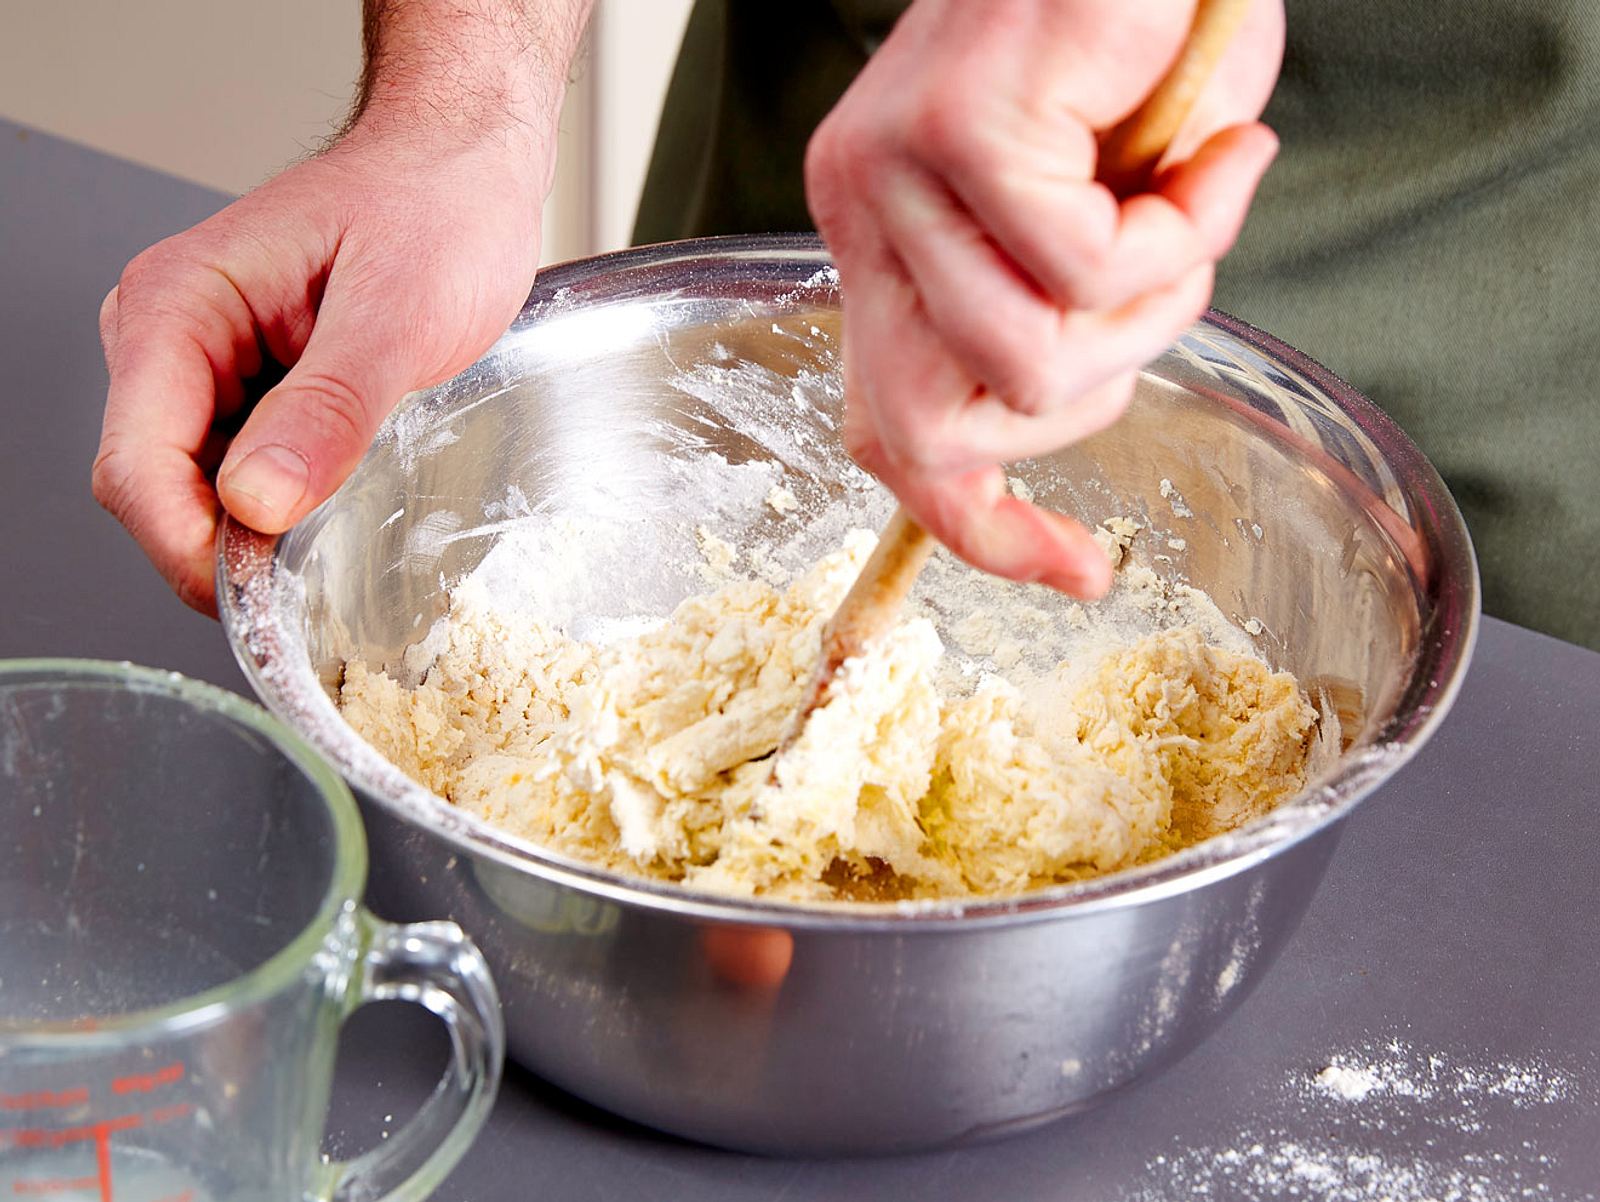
{"x": 1450, "y": 963}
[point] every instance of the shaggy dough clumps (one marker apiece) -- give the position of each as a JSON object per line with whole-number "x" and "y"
{"x": 654, "y": 755}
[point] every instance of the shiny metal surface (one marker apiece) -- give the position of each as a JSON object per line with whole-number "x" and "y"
{"x": 1310, "y": 513}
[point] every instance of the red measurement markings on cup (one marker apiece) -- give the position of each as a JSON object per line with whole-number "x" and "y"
{"x": 100, "y": 1131}
{"x": 45, "y": 1099}
{"x": 148, "y": 1082}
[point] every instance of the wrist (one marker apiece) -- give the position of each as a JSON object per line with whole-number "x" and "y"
{"x": 406, "y": 129}
{"x": 445, "y": 77}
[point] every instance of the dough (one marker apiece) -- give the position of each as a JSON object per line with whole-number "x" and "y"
{"x": 654, "y": 755}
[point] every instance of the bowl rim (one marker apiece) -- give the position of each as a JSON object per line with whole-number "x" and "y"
{"x": 248, "y": 583}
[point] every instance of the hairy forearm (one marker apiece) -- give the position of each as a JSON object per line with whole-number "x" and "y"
{"x": 469, "y": 66}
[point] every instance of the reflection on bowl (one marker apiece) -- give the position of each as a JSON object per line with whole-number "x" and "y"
{"x": 1298, "y": 506}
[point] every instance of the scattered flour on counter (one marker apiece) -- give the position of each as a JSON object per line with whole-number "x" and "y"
{"x": 1383, "y": 1122}
{"x": 1352, "y": 1084}
{"x": 1395, "y": 1069}
{"x": 1277, "y": 1166}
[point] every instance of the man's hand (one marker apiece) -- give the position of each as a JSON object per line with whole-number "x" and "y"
{"x": 386, "y": 264}
{"x": 999, "y": 301}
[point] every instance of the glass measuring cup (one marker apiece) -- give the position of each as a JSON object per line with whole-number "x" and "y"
{"x": 180, "y": 940}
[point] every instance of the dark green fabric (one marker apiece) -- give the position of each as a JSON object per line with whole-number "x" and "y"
{"x": 753, "y": 80}
{"x": 1431, "y": 232}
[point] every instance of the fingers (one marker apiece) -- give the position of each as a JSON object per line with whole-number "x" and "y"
{"x": 967, "y": 508}
{"x": 1213, "y": 188}
{"x": 950, "y": 386}
{"x": 973, "y": 514}
{"x": 987, "y": 430}
{"x": 999, "y": 300}
{"x": 1039, "y": 240}
{"x": 756, "y": 959}
{"x": 376, "y": 268}
{"x": 163, "y": 499}
{"x": 903, "y": 387}
{"x": 1026, "y": 348}
{"x": 388, "y": 322}
{"x": 177, "y": 342}
{"x": 307, "y": 434}
{"x": 963, "y": 358}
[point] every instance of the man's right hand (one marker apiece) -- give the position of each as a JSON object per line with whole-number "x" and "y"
{"x": 1000, "y": 293}
{"x": 388, "y": 263}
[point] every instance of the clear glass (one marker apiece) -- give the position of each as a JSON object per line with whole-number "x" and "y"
{"x": 180, "y": 940}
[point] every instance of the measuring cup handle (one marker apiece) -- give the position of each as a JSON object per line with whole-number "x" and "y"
{"x": 435, "y": 965}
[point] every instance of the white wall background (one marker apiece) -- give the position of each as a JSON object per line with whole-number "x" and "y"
{"x": 226, "y": 92}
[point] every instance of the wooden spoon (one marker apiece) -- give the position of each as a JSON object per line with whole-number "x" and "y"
{"x": 1128, "y": 158}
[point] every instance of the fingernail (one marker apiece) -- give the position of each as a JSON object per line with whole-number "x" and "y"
{"x": 269, "y": 481}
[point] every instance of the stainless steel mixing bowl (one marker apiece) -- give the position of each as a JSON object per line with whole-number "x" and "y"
{"x": 812, "y": 1029}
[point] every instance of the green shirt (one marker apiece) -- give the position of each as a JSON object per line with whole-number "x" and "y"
{"x": 1430, "y": 232}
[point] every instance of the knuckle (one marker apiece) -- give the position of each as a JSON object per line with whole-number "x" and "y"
{"x": 946, "y": 130}
{"x": 1019, "y": 373}
{"x": 1094, "y": 249}
{"x": 337, "y": 406}
{"x": 1186, "y": 303}
{"x": 841, "y": 157}
{"x": 1091, "y": 285}
{"x": 957, "y": 519}
{"x": 822, "y": 167}
{"x": 948, "y": 137}
{"x": 148, "y": 264}
{"x": 195, "y": 591}
{"x": 1030, "y": 389}
{"x": 108, "y": 321}
{"x": 820, "y": 164}
{"x": 157, "y": 283}
{"x": 1214, "y": 240}
{"x": 918, "y": 448}
{"x": 1030, "y": 400}
{"x": 109, "y": 480}
{"x": 876, "y": 443}
{"x": 1091, "y": 274}
{"x": 908, "y": 445}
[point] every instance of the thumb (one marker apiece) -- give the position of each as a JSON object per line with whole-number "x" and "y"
{"x": 307, "y": 434}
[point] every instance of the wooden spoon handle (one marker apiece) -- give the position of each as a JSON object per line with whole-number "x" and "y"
{"x": 868, "y": 610}
{"x": 1130, "y": 152}
{"x": 873, "y": 602}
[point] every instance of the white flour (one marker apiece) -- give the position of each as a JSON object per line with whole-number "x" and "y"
{"x": 1347, "y": 1117}
{"x": 1173, "y": 497}
{"x": 1398, "y": 1070}
{"x": 1351, "y": 1084}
